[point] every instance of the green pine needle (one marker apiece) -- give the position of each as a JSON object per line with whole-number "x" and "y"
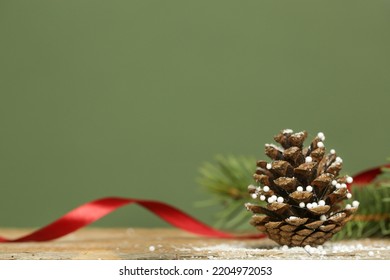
{"x": 227, "y": 180}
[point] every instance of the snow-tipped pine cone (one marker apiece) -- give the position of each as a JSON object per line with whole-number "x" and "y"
{"x": 302, "y": 190}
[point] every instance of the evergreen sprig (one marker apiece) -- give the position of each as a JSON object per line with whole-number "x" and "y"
{"x": 373, "y": 216}
{"x": 227, "y": 179}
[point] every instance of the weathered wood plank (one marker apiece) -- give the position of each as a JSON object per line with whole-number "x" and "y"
{"x": 114, "y": 244}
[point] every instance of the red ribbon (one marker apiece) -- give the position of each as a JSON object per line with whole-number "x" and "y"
{"x": 368, "y": 176}
{"x": 94, "y": 210}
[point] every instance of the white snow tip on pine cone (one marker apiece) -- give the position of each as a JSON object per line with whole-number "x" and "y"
{"x": 262, "y": 197}
{"x": 332, "y": 151}
{"x": 334, "y": 183}
{"x": 288, "y": 131}
{"x": 308, "y": 159}
{"x": 314, "y": 204}
{"x": 270, "y": 199}
{"x": 349, "y": 195}
{"x": 348, "y": 206}
{"x": 321, "y": 203}
{"x": 280, "y": 199}
{"x": 349, "y": 180}
{"x": 320, "y": 145}
{"x": 266, "y": 189}
{"x": 309, "y": 206}
{"x": 247, "y": 205}
{"x": 292, "y": 218}
{"x": 338, "y": 185}
{"x": 321, "y": 135}
{"x": 323, "y": 218}
{"x": 339, "y": 160}
{"x": 343, "y": 185}
{"x": 300, "y": 189}
{"x": 309, "y": 188}
{"x": 268, "y": 166}
{"x": 355, "y": 203}
{"x": 254, "y": 196}
{"x": 302, "y": 204}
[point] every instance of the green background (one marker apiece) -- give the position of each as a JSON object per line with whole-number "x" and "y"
{"x": 129, "y": 98}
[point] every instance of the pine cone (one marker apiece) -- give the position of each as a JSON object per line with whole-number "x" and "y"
{"x": 302, "y": 190}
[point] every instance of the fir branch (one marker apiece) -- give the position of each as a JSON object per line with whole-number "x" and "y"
{"x": 373, "y": 216}
{"x": 227, "y": 179}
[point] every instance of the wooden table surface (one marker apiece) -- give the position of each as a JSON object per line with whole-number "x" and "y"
{"x": 166, "y": 243}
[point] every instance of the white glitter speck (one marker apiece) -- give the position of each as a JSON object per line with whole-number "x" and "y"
{"x": 308, "y": 159}
{"x": 268, "y": 166}
{"x": 321, "y": 135}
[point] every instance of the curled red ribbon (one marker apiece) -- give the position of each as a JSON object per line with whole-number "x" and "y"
{"x": 94, "y": 210}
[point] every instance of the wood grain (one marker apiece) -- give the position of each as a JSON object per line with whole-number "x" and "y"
{"x": 162, "y": 243}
